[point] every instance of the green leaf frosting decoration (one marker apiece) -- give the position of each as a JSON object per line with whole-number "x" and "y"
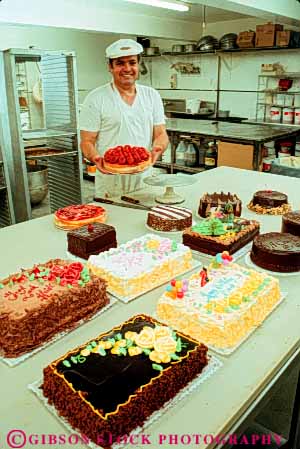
{"x": 157, "y": 367}
{"x": 210, "y": 226}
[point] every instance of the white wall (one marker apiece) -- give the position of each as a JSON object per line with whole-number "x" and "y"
{"x": 89, "y": 48}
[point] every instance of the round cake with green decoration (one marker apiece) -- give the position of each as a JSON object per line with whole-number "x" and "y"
{"x": 40, "y": 302}
{"x": 221, "y": 232}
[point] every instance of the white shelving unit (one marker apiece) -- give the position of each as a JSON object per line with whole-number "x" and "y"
{"x": 269, "y": 94}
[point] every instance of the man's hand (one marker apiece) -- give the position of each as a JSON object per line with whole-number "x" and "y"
{"x": 98, "y": 161}
{"x": 156, "y": 153}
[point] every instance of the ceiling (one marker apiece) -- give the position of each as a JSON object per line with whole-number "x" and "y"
{"x": 194, "y": 15}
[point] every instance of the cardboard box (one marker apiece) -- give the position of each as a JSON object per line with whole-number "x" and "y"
{"x": 283, "y": 38}
{"x": 246, "y": 39}
{"x": 266, "y": 34}
{"x": 235, "y": 155}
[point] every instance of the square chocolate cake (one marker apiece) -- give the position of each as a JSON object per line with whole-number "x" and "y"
{"x": 108, "y": 386}
{"x": 214, "y": 235}
{"x": 91, "y": 239}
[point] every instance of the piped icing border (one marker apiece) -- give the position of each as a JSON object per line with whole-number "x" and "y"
{"x": 54, "y": 364}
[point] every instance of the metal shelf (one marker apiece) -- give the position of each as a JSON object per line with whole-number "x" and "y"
{"x": 45, "y": 133}
{"x": 183, "y": 53}
{"x": 282, "y": 75}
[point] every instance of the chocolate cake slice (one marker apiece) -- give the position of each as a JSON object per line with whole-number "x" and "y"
{"x": 91, "y": 239}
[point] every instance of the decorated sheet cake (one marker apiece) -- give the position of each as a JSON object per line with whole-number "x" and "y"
{"x": 110, "y": 385}
{"x": 220, "y": 306}
{"x": 48, "y": 298}
{"x": 141, "y": 264}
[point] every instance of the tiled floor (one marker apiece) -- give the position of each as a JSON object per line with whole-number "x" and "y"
{"x": 276, "y": 413}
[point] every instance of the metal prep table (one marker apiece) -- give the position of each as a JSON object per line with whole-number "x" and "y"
{"x": 223, "y": 402}
{"x": 253, "y": 134}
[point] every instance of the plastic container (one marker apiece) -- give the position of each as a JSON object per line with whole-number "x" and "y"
{"x": 180, "y": 153}
{"x": 297, "y": 116}
{"x": 288, "y": 116}
{"x": 286, "y": 148}
{"x": 190, "y": 156}
{"x": 267, "y": 163}
{"x": 275, "y": 114}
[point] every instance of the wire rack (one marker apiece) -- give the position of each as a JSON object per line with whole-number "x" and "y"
{"x": 57, "y": 88}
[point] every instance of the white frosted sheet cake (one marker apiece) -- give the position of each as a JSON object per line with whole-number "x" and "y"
{"x": 223, "y": 311}
{"x": 141, "y": 264}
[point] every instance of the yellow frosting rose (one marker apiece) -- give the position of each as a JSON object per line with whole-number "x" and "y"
{"x": 145, "y": 339}
{"x": 165, "y": 344}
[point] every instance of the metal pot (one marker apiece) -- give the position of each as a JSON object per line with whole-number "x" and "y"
{"x": 178, "y": 48}
{"x": 37, "y": 182}
{"x": 151, "y": 51}
{"x": 190, "y": 48}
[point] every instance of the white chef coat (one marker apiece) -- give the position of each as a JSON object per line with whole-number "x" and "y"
{"x": 104, "y": 111}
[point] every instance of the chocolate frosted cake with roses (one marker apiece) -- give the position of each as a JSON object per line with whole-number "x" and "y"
{"x": 91, "y": 239}
{"x": 276, "y": 251}
{"x": 269, "y": 202}
{"x": 215, "y": 200}
{"x": 108, "y": 386}
{"x": 38, "y": 303}
{"x": 291, "y": 223}
{"x": 169, "y": 218}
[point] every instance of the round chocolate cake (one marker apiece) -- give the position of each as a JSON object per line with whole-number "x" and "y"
{"x": 269, "y": 202}
{"x": 276, "y": 251}
{"x": 169, "y": 218}
{"x": 291, "y": 223}
{"x": 219, "y": 200}
{"x": 269, "y": 198}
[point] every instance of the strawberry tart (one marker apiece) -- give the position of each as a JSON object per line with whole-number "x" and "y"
{"x": 126, "y": 159}
{"x": 75, "y": 216}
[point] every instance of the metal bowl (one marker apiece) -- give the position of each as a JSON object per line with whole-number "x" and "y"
{"x": 37, "y": 182}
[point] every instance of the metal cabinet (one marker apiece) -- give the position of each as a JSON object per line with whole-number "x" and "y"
{"x": 58, "y": 84}
{"x": 7, "y": 216}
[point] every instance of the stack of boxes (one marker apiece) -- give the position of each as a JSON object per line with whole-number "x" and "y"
{"x": 269, "y": 35}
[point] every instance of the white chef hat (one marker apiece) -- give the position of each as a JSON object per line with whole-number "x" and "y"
{"x": 123, "y": 47}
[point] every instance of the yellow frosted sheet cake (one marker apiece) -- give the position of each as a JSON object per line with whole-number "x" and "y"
{"x": 220, "y": 306}
{"x": 141, "y": 264}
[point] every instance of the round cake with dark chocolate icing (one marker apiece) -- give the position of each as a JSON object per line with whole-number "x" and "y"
{"x": 291, "y": 222}
{"x": 269, "y": 198}
{"x": 276, "y": 251}
{"x": 269, "y": 202}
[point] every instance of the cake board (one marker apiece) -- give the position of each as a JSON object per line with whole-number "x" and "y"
{"x": 213, "y": 365}
{"x": 16, "y": 361}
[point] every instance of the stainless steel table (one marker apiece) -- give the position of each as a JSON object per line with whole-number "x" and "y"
{"x": 254, "y": 134}
{"x": 226, "y": 399}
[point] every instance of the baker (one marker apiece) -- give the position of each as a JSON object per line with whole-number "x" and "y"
{"x": 122, "y": 112}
